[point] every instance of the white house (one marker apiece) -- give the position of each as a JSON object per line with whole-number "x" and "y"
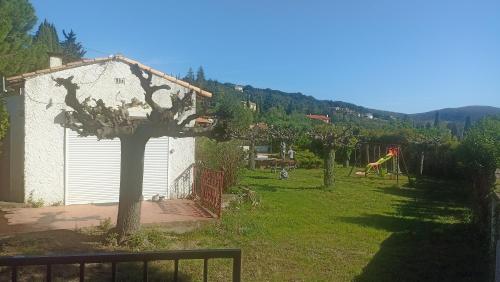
{"x": 43, "y": 159}
{"x": 238, "y": 88}
{"x": 369, "y": 115}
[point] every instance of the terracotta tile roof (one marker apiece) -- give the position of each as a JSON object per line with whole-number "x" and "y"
{"x": 202, "y": 120}
{"x": 84, "y": 62}
{"x": 319, "y": 117}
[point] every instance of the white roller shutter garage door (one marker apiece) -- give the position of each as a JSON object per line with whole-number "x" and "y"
{"x": 93, "y": 169}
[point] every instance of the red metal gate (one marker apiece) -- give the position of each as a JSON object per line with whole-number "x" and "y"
{"x": 209, "y": 185}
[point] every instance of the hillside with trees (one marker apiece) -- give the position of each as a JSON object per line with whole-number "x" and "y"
{"x": 296, "y": 102}
{"x": 457, "y": 114}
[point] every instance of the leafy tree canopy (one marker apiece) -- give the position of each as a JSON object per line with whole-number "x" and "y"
{"x": 17, "y": 18}
{"x": 481, "y": 146}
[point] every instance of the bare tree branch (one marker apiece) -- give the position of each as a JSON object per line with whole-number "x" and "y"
{"x": 93, "y": 117}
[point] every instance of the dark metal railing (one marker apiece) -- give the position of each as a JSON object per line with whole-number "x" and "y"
{"x": 15, "y": 262}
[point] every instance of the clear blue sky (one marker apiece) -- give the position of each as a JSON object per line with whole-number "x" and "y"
{"x": 406, "y": 56}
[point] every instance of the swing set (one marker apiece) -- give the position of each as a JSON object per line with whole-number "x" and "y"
{"x": 388, "y": 164}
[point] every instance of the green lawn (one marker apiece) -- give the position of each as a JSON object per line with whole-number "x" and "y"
{"x": 364, "y": 229}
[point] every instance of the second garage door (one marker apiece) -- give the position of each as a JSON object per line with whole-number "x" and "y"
{"x": 93, "y": 169}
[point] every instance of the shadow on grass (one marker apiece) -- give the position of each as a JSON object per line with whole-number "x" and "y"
{"x": 71, "y": 242}
{"x": 430, "y": 241}
{"x": 274, "y": 188}
{"x": 259, "y": 177}
{"x": 130, "y": 271}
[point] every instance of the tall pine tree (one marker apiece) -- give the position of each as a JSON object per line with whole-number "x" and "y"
{"x": 17, "y": 55}
{"x": 72, "y": 50}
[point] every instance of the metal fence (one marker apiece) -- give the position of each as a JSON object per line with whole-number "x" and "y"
{"x": 209, "y": 185}
{"x": 16, "y": 262}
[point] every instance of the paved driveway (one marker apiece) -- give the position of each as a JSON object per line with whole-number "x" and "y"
{"x": 23, "y": 220}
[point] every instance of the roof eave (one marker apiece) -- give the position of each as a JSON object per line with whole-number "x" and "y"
{"x": 84, "y": 62}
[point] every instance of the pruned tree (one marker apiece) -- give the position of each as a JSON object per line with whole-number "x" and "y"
{"x": 349, "y": 146}
{"x": 92, "y": 117}
{"x": 425, "y": 140}
{"x": 253, "y": 134}
{"x": 332, "y": 137}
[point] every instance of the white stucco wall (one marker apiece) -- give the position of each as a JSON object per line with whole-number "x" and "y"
{"x": 44, "y": 103}
{"x": 181, "y": 157}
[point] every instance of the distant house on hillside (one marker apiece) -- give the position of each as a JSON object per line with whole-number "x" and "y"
{"x": 204, "y": 121}
{"x": 325, "y": 119}
{"x": 238, "y": 88}
{"x": 251, "y": 105}
{"x": 369, "y": 115}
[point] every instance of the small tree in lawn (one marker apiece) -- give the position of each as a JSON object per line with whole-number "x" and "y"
{"x": 92, "y": 117}
{"x": 350, "y": 145}
{"x": 332, "y": 137}
{"x": 253, "y": 134}
{"x": 429, "y": 138}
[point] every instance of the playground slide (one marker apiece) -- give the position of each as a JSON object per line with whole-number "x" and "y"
{"x": 376, "y": 164}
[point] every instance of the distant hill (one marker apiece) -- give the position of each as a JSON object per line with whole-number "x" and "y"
{"x": 291, "y": 102}
{"x": 457, "y": 114}
{"x": 298, "y": 102}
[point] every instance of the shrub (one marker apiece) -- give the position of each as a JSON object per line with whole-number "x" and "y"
{"x": 307, "y": 159}
{"x": 480, "y": 155}
{"x": 228, "y": 157}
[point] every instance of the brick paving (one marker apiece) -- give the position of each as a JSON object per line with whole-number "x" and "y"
{"x": 24, "y": 220}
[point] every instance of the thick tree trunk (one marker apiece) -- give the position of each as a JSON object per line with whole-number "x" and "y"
{"x": 329, "y": 177}
{"x": 367, "y": 147}
{"x": 421, "y": 163}
{"x": 374, "y": 153}
{"x": 251, "y": 156}
{"x": 483, "y": 183}
{"x": 283, "y": 154}
{"x": 131, "y": 177}
{"x": 347, "y": 158}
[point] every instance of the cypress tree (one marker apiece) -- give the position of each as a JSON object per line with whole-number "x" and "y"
{"x": 436, "y": 119}
{"x": 468, "y": 125}
{"x": 200, "y": 76}
{"x": 46, "y": 35}
{"x": 189, "y": 76}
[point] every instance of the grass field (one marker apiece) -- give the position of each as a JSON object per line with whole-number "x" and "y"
{"x": 364, "y": 229}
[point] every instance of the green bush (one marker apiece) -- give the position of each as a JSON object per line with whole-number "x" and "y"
{"x": 225, "y": 156}
{"x": 307, "y": 159}
{"x": 480, "y": 156}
